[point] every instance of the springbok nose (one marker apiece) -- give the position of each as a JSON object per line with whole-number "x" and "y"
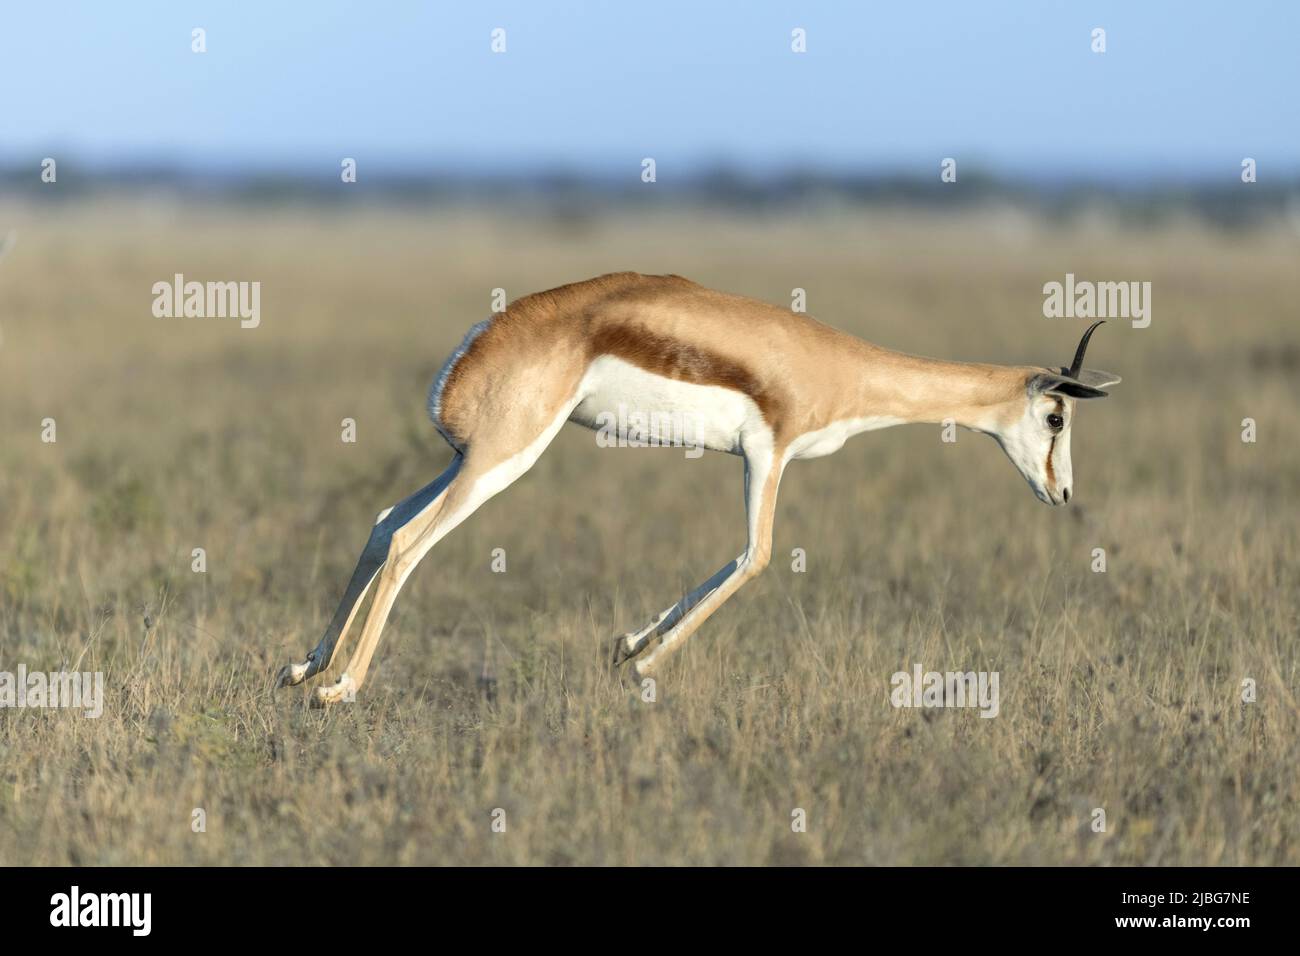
{"x": 1065, "y": 493}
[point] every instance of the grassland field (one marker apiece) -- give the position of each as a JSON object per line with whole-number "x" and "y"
{"x": 1120, "y": 690}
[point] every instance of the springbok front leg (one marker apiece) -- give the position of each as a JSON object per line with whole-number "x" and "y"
{"x": 425, "y": 501}
{"x": 671, "y": 628}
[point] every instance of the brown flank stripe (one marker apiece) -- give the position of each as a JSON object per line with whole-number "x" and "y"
{"x": 685, "y": 363}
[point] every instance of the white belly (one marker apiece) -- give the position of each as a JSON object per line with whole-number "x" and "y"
{"x": 631, "y": 404}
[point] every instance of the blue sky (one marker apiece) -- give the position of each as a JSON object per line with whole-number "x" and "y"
{"x": 1184, "y": 88}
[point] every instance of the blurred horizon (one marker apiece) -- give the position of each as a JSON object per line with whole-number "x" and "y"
{"x": 584, "y": 91}
{"x": 573, "y": 195}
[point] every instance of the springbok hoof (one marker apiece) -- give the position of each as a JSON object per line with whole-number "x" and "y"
{"x": 343, "y": 689}
{"x": 623, "y": 649}
{"x": 630, "y": 673}
{"x": 290, "y": 675}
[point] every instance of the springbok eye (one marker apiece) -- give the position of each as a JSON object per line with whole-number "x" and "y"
{"x": 1055, "y": 422}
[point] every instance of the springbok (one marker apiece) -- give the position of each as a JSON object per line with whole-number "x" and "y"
{"x": 755, "y": 380}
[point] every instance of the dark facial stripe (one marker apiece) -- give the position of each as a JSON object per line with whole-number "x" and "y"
{"x": 1051, "y": 472}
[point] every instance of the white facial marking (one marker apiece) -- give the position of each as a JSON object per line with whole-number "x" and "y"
{"x": 1041, "y": 455}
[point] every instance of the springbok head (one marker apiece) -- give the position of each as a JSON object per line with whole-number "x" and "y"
{"x": 1037, "y": 440}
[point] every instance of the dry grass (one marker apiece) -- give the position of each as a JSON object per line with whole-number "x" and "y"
{"x": 1119, "y": 690}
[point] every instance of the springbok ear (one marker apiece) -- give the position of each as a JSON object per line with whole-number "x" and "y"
{"x": 1049, "y": 383}
{"x": 1097, "y": 378}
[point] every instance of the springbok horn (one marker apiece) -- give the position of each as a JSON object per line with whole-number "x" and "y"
{"x": 1074, "y": 369}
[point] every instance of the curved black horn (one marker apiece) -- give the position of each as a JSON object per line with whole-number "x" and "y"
{"x": 1077, "y": 365}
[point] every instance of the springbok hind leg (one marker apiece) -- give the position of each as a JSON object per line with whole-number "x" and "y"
{"x": 424, "y": 502}
{"x": 409, "y": 544}
{"x": 484, "y": 474}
